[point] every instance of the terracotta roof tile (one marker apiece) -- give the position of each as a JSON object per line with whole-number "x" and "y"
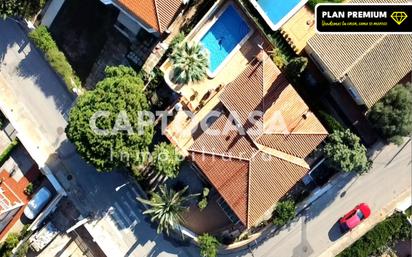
{"x": 261, "y": 86}
{"x": 157, "y": 14}
{"x": 229, "y": 144}
{"x": 230, "y": 178}
{"x": 269, "y": 181}
{"x": 361, "y": 58}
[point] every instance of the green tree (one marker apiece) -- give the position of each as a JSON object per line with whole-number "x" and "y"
{"x": 190, "y": 63}
{"x": 166, "y": 207}
{"x": 392, "y": 115}
{"x": 122, "y": 131}
{"x": 208, "y": 245}
{"x": 166, "y": 160}
{"x": 21, "y": 8}
{"x": 284, "y": 212}
{"x": 295, "y": 68}
{"x": 345, "y": 152}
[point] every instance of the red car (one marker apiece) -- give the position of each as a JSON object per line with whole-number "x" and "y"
{"x": 354, "y": 217}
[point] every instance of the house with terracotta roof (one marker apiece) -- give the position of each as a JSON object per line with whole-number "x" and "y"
{"x": 361, "y": 69}
{"x": 154, "y": 16}
{"x": 254, "y": 162}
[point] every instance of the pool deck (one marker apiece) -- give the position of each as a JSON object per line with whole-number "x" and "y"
{"x": 299, "y": 29}
{"x": 180, "y": 130}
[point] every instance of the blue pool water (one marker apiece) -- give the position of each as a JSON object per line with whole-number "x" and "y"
{"x": 223, "y": 36}
{"x": 277, "y": 9}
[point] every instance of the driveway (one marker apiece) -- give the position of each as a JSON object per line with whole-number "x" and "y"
{"x": 35, "y": 101}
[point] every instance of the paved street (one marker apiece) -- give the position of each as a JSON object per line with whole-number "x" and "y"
{"x": 315, "y": 231}
{"x": 37, "y": 100}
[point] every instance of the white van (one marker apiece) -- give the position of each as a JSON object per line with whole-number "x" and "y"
{"x": 37, "y": 203}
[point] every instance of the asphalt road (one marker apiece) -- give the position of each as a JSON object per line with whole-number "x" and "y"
{"x": 315, "y": 230}
{"x": 42, "y": 98}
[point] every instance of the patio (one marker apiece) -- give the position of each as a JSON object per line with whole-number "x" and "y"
{"x": 299, "y": 29}
{"x": 203, "y": 97}
{"x": 212, "y": 219}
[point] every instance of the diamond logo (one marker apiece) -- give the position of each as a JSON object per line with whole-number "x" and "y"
{"x": 399, "y": 17}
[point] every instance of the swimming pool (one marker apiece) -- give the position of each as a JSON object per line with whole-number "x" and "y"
{"x": 224, "y": 36}
{"x": 277, "y": 12}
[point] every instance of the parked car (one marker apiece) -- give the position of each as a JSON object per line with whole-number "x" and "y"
{"x": 37, "y": 203}
{"x": 354, "y": 217}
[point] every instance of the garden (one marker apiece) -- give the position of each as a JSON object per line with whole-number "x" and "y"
{"x": 385, "y": 235}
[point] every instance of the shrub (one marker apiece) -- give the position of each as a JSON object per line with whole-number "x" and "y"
{"x": 331, "y": 123}
{"x": 345, "y": 152}
{"x": 208, "y": 245}
{"x": 11, "y": 241}
{"x": 392, "y": 115}
{"x": 284, "y": 212}
{"x": 382, "y": 235}
{"x": 295, "y": 68}
{"x": 312, "y": 3}
{"x": 29, "y": 189}
{"x": 279, "y": 58}
{"x": 7, "y": 152}
{"x": 202, "y": 204}
{"x": 44, "y": 41}
{"x": 166, "y": 160}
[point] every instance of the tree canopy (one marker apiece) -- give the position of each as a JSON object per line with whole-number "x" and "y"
{"x": 166, "y": 160}
{"x": 190, "y": 63}
{"x": 166, "y": 207}
{"x": 20, "y": 8}
{"x": 107, "y": 125}
{"x": 345, "y": 152}
{"x": 392, "y": 115}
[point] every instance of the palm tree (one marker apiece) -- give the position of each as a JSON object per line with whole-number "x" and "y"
{"x": 166, "y": 207}
{"x": 190, "y": 63}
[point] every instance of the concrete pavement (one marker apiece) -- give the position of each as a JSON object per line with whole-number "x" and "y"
{"x": 36, "y": 101}
{"x": 315, "y": 231}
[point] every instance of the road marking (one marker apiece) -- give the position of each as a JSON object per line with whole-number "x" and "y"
{"x": 122, "y": 213}
{"x": 132, "y": 212}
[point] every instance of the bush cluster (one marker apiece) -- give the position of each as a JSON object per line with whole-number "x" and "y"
{"x": 208, "y": 245}
{"x": 284, "y": 212}
{"x": 380, "y": 237}
{"x": 44, "y": 41}
{"x": 312, "y": 3}
{"x": 7, "y": 152}
{"x": 330, "y": 123}
{"x": 12, "y": 240}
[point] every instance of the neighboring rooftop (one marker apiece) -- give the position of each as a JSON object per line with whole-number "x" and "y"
{"x": 374, "y": 63}
{"x": 268, "y": 159}
{"x": 157, "y": 14}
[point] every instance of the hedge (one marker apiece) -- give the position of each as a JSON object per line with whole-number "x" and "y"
{"x": 44, "y": 41}
{"x": 380, "y": 237}
{"x": 7, "y": 152}
{"x": 312, "y": 3}
{"x": 330, "y": 123}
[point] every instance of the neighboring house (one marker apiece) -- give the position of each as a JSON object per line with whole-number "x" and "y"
{"x": 368, "y": 66}
{"x": 155, "y": 16}
{"x": 258, "y": 160}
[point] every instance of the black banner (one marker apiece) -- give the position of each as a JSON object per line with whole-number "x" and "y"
{"x": 338, "y": 18}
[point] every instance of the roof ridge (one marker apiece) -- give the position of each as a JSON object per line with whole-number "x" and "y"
{"x": 221, "y": 154}
{"x": 284, "y": 156}
{"x": 371, "y": 47}
{"x": 157, "y": 15}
